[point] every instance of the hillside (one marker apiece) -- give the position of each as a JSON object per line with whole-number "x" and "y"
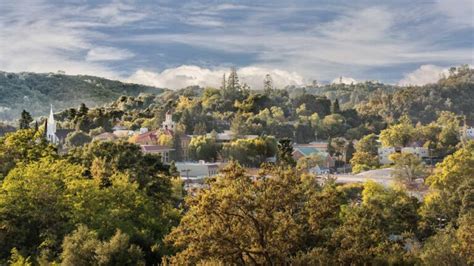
{"x": 34, "y": 92}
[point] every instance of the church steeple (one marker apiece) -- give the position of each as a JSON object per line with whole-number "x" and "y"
{"x": 51, "y": 128}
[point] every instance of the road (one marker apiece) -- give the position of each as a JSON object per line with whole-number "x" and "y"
{"x": 381, "y": 176}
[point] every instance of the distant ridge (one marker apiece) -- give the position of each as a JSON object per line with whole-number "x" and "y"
{"x": 35, "y": 92}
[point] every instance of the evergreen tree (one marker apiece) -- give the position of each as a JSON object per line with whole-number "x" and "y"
{"x": 83, "y": 110}
{"x": 25, "y": 120}
{"x": 233, "y": 84}
{"x": 335, "y": 107}
{"x": 268, "y": 84}
{"x": 223, "y": 85}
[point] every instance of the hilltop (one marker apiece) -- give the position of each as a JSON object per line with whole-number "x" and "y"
{"x": 36, "y": 91}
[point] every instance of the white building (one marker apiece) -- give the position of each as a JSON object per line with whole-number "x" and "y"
{"x": 385, "y": 152}
{"x": 200, "y": 169}
{"x": 168, "y": 124}
{"x": 51, "y": 128}
{"x": 469, "y": 133}
{"x": 163, "y": 151}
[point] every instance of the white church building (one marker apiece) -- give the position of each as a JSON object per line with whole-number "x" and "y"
{"x": 54, "y": 135}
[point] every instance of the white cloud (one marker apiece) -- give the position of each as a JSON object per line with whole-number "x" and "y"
{"x": 108, "y": 54}
{"x": 344, "y": 80}
{"x": 423, "y": 75}
{"x": 186, "y": 75}
{"x": 38, "y": 36}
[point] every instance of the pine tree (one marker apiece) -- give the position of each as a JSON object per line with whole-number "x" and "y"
{"x": 268, "y": 84}
{"x": 25, "y": 120}
{"x": 83, "y": 110}
{"x": 233, "y": 84}
{"x": 223, "y": 85}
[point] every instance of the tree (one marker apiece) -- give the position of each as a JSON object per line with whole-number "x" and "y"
{"x": 368, "y": 144}
{"x": 258, "y": 220}
{"x": 83, "y": 247}
{"x": 285, "y": 153}
{"x": 268, "y": 84}
{"x": 203, "y": 148}
{"x": 407, "y": 167}
{"x": 83, "y": 110}
{"x": 77, "y": 138}
{"x": 25, "y": 120}
{"x": 79, "y": 247}
{"x": 335, "y": 109}
{"x": 200, "y": 129}
{"x": 118, "y": 251}
{"x": 364, "y": 235}
{"x": 451, "y": 189}
{"x": 34, "y": 209}
{"x": 250, "y": 152}
{"x": 398, "y": 135}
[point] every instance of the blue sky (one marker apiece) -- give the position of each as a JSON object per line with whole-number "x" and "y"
{"x": 179, "y": 43}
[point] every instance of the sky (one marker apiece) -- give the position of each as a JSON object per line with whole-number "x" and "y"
{"x": 173, "y": 44}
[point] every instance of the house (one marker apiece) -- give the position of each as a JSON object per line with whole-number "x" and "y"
{"x": 195, "y": 174}
{"x": 199, "y": 169}
{"x": 319, "y": 170}
{"x": 385, "y": 152}
{"x": 106, "y": 136}
{"x": 147, "y": 138}
{"x": 304, "y": 151}
{"x": 228, "y": 136}
{"x": 163, "y": 151}
{"x": 123, "y": 133}
{"x": 320, "y": 145}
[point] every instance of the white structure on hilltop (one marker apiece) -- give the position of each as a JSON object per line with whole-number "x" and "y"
{"x": 168, "y": 124}
{"x": 51, "y": 128}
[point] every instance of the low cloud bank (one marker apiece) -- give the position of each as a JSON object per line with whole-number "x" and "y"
{"x": 188, "y": 75}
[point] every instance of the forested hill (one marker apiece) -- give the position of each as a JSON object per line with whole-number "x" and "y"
{"x": 35, "y": 92}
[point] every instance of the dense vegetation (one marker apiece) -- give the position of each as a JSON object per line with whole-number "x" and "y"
{"x": 35, "y": 92}
{"x": 107, "y": 203}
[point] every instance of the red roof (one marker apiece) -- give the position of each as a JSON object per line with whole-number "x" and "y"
{"x": 147, "y": 137}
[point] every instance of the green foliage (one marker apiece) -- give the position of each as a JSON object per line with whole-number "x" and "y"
{"x": 16, "y": 259}
{"x": 398, "y": 135}
{"x": 250, "y": 152}
{"x": 22, "y": 146}
{"x": 83, "y": 247}
{"x": 423, "y": 103}
{"x": 25, "y": 120}
{"x": 284, "y": 154}
{"x": 203, "y": 148}
{"x": 77, "y": 138}
{"x": 407, "y": 167}
{"x": 243, "y": 230}
{"x": 35, "y": 92}
{"x": 451, "y": 190}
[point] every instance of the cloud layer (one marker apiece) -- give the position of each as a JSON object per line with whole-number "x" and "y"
{"x": 183, "y": 76}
